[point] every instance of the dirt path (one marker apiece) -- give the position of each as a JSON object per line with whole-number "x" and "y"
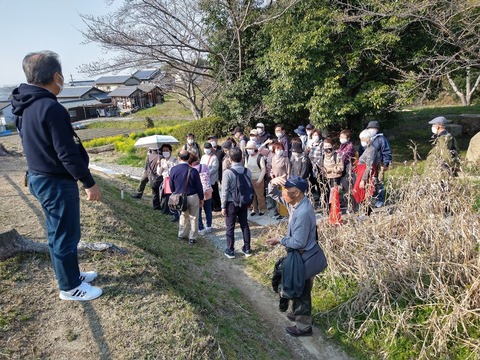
{"x": 16, "y": 200}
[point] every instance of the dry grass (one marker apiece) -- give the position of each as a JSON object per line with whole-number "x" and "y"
{"x": 417, "y": 271}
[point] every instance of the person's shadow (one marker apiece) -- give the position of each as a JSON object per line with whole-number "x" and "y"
{"x": 97, "y": 330}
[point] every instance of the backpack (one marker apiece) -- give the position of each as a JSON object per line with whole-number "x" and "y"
{"x": 259, "y": 158}
{"x": 243, "y": 194}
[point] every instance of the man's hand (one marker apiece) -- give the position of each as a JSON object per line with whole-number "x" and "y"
{"x": 201, "y": 203}
{"x": 93, "y": 193}
{"x": 279, "y": 181}
{"x": 362, "y": 184}
{"x": 224, "y": 212}
{"x": 273, "y": 241}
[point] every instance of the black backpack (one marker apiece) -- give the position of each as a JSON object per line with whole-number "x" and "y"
{"x": 243, "y": 194}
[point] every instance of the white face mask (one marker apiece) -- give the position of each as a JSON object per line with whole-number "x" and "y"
{"x": 190, "y": 141}
{"x": 373, "y": 131}
{"x": 270, "y": 149}
{"x": 364, "y": 144}
{"x": 260, "y": 131}
{"x": 309, "y": 132}
{"x": 207, "y": 151}
{"x": 60, "y": 86}
{"x": 279, "y": 152}
{"x": 315, "y": 139}
{"x": 278, "y": 134}
{"x": 253, "y": 138}
{"x": 343, "y": 140}
{"x": 250, "y": 151}
{"x": 214, "y": 143}
{"x": 434, "y": 129}
{"x": 166, "y": 154}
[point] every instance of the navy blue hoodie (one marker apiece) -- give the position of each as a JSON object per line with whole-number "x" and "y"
{"x": 47, "y": 136}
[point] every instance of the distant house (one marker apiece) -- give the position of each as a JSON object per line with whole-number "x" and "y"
{"x": 127, "y": 98}
{"x": 110, "y": 83}
{"x": 6, "y": 116}
{"x": 84, "y": 102}
{"x": 147, "y": 75}
{"x": 154, "y": 94}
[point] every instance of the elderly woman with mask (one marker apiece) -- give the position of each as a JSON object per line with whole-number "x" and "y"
{"x": 366, "y": 170}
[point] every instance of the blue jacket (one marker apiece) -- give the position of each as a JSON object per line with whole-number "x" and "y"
{"x": 47, "y": 136}
{"x": 382, "y": 146}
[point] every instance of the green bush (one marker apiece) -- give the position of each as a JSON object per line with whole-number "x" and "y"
{"x": 202, "y": 128}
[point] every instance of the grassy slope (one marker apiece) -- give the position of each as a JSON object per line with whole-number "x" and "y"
{"x": 162, "y": 298}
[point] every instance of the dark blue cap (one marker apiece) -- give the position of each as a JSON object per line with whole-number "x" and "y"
{"x": 298, "y": 182}
{"x": 300, "y": 130}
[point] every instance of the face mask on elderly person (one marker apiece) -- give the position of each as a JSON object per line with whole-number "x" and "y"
{"x": 434, "y": 129}
{"x": 364, "y": 144}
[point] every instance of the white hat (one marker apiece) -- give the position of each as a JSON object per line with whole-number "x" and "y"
{"x": 260, "y": 125}
{"x": 251, "y": 145}
{"x": 254, "y": 132}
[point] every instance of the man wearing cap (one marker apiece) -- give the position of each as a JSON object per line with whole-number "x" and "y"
{"x": 155, "y": 180}
{"x": 302, "y": 134}
{"x": 384, "y": 156}
{"x": 309, "y": 130}
{"x": 301, "y": 236}
{"x": 262, "y": 135}
{"x": 444, "y": 154}
{"x": 253, "y": 137}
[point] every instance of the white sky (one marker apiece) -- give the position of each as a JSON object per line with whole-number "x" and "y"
{"x": 32, "y": 25}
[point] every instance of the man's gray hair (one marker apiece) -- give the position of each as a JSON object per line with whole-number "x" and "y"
{"x": 40, "y": 66}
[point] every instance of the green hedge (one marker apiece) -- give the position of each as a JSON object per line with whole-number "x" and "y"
{"x": 201, "y": 129}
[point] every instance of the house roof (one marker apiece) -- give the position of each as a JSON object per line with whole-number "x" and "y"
{"x": 75, "y": 91}
{"x": 146, "y": 74}
{"x": 82, "y": 83}
{"x": 147, "y": 87}
{"x": 124, "y": 91}
{"x": 117, "y": 79}
{"x": 70, "y": 104}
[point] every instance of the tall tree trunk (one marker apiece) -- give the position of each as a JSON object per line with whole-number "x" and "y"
{"x": 456, "y": 90}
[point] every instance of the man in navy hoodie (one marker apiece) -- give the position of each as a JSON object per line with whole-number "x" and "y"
{"x": 56, "y": 160}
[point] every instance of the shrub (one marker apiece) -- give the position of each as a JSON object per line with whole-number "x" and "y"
{"x": 149, "y": 122}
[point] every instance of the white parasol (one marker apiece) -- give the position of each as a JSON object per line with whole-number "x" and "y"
{"x": 155, "y": 141}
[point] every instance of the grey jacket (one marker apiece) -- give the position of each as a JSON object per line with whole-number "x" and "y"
{"x": 301, "y": 232}
{"x": 229, "y": 182}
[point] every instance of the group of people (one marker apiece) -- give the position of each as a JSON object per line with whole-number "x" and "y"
{"x": 214, "y": 178}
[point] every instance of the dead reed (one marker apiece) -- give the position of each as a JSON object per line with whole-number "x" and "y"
{"x": 417, "y": 270}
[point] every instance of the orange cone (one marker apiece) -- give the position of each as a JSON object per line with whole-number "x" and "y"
{"x": 335, "y": 217}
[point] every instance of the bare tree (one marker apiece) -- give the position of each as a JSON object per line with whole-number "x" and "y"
{"x": 450, "y": 28}
{"x": 156, "y": 33}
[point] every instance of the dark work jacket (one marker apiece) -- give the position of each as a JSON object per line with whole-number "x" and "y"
{"x": 49, "y": 142}
{"x": 178, "y": 175}
{"x": 293, "y": 274}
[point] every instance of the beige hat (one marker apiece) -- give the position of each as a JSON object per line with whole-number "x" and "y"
{"x": 254, "y": 132}
{"x": 251, "y": 145}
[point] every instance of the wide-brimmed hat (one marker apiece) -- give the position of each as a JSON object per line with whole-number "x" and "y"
{"x": 300, "y": 130}
{"x": 254, "y": 132}
{"x": 251, "y": 145}
{"x": 297, "y": 147}
{"x": 373, "y": 124}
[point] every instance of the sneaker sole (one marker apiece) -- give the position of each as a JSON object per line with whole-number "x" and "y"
{"x": 229, "y": 256}
{"x": 71, "y": 298}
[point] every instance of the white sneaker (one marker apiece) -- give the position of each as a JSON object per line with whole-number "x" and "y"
{"x": 209, "y": 229}
{"x": 83, "y": 292}
{"x": 202, "y": 232}
{"x": 88, "y": 276}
